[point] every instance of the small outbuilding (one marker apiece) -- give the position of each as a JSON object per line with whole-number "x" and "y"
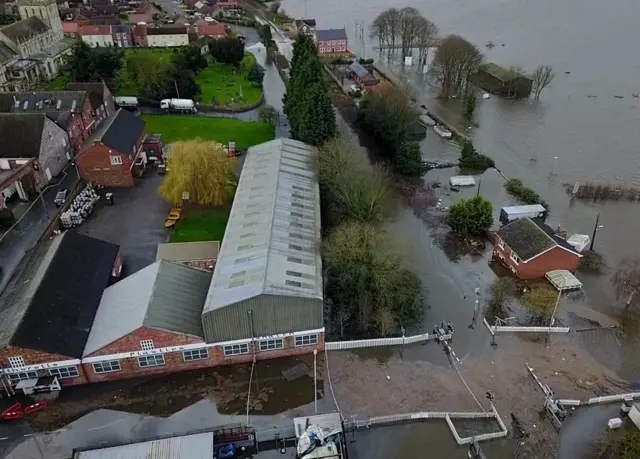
{"x": 362, "y": 76}
{"x": 511, "y": 213}
{"x": 499, "y": 80}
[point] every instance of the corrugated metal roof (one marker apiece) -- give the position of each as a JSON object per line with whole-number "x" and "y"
{"x": 198, "y": 446}
{"x": 272, "y": 241}
{"x": 188, "y": 251}
{"x": 163, "y": 295}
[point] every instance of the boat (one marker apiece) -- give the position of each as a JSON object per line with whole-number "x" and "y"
{"x": 443, "y": 132}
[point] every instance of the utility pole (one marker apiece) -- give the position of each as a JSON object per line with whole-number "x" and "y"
{"x": 176, "y": 85}
{"x": 315, "y": 381}
{"x": 479, "y": 185}
{"x": 595, "y": 230}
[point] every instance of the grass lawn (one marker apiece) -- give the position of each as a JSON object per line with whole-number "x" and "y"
{"x": 218, "y": 82}
{"x": 57, "y": 84}
{"x": 129, "y": 88}
{"x": 185, "y": 127}
{"x": 207, "y": 225}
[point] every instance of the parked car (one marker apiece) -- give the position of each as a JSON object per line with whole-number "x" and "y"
{"x": 61, "y": 197}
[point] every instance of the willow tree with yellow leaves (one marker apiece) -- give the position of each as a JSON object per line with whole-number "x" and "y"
{"x": 201, "y": 168}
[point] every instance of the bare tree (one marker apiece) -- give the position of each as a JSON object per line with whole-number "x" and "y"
{"x": 626, "y": 280}
{"x": 426, "y": 37}
{"x": 542, "y": 77}
{"x": 455, "y": 61}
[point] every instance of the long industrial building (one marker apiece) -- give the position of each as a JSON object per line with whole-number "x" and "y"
{"x": 263, "y": 300}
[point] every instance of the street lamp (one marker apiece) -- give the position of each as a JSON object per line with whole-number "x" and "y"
{"x": 315, "y": 381}
{"x": 595, "y": 230}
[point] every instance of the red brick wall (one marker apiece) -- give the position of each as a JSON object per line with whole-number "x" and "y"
{"x": 95, "y": 165}
{"x": 556, "y": 258}
{"x": 174, "y": 361}
{"x": 33, "y": 357}
{"x": 78, "y": 128}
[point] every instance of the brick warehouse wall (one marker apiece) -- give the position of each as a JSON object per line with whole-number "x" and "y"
{"x": 33, "y": 357}
{"x": 174, "y": 361}
{"x": 95, "y": 166}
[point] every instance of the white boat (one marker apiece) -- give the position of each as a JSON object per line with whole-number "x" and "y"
{"x": 443, "y": 132}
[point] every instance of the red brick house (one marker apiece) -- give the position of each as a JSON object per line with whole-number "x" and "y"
{"x": 362, "y": 76}
{"x": 331, "y": 42}
{"x": 109, "y": 156}
{"x": 49, "y": 305}
{"x": 71, "y": 110}
{"x": 100, "y": 98}
{"x": 530, "y": 249}
{"x": 210, "y": 29}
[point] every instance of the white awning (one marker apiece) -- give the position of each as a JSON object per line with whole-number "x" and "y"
{"x": 563, "y": 280}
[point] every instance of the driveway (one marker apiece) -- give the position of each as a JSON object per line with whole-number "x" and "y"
{"x": 29, "y": 229}
{"x": 135, "y": 222}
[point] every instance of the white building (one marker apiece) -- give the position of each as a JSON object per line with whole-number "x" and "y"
{"x": 167, "y": 36}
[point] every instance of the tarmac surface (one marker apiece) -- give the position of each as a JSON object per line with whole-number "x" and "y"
{"x": 135, "y": 222}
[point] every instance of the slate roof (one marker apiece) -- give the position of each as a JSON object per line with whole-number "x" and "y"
{"x": 501, "y": 73}
{"x": 21, "y": 134}
{"x": 52, "y": 298}
{"x": 95, "y": 91}
{"x": 308, "y": 22}
{"x": 163, "y": 295}
{"x": 119, "y": 132}
{"x": 42, "y": 101}
{"x": 167, "y": 30}
{"x": 528, "y": 239}
{"x": 6, "y": 53}
{"x": 24, "y": 29}
{"x": 359, "y": 70}
{"x": 331, "y": 34}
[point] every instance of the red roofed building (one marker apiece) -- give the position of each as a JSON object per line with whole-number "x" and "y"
{"x": 211, "y": 29}
{"x": 139, "y": 32}
{"x": 228, "y": 4}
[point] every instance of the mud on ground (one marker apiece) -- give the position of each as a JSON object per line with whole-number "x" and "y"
{"x": 166, "y": 395}
{"x": 361, "y": 386}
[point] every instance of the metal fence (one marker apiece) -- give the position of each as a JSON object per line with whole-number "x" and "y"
{"x": 493, "y": 329}
{"x": 364, "y": 343}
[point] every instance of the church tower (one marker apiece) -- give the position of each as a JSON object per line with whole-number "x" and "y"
{"x": 47, "y": 10}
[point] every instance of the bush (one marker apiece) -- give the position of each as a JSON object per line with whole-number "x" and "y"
{"x": 525, "y": 194}
{"x": 255, "y": 74}
{"x": 471, "y": 159}
{"x": 471, "y": 217}
{"x": 408, "y": 160}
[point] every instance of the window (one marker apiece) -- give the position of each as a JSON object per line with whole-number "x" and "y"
{"x": 151, "y": 361}
{"x": 500, "y": 243}
{"x": 15, "y": 378}
{"x": 293, "y": 273}
{"x": 306, "y": 340}
{"x": 236, "y": 349}
{"x": 16, "y": 362}
{"x": 514, "y": 257}
{"x": 195, "y": 354}
{"x": 106, "y": 367}
{"x": 146, "y": 344}
{"x": 270, "y": 344}
{"x": 64, "y": 372}
{"x": 116, "y": 160}
{"x": 291, "y": 283}
{"x": 64, "y": 142}
{"x": 321, "y": 50}
{"x": 295, "y": 247}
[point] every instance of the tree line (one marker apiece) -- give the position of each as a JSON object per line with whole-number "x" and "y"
{"x": 369, "y": 289}
{"x": 306, "y": 101}
{"x": 389, "y": 115}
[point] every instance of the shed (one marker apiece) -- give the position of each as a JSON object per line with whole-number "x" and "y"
{"x": 579, "y": 241}
{"x": 362, "y": 76}
{"x": 268, "y": 277}
{"x": 563, "y": 280}
{"x": 197, "y": 446}
{"x": 496, "y": 79}
{"x": 462, "y": 180}
{"x": 511, "y": 213}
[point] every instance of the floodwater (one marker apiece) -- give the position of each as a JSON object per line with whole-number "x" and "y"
{"x": 587, "y": 119}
